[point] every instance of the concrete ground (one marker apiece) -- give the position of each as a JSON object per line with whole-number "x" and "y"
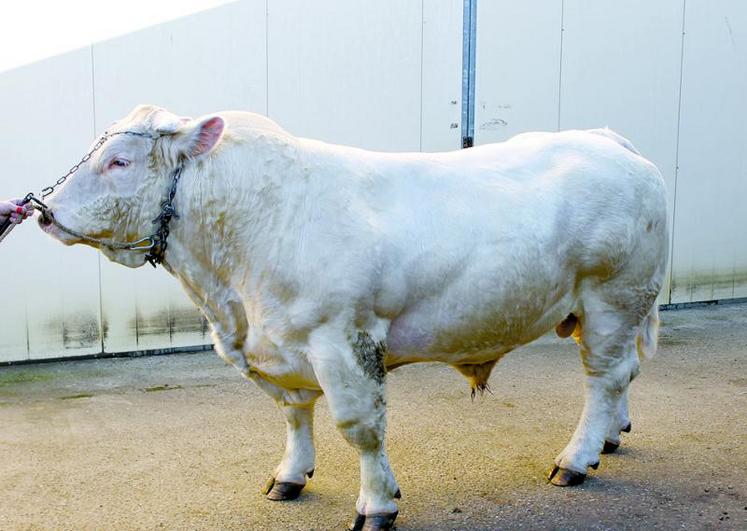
{"x": 182, "y": 442}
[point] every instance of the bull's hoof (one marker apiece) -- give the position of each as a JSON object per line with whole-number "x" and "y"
{"x": 282, "y": 490}
{"x": 627, "y": 428}
{"x": 373, "y": 522}
{"x": 610, "y": 447}
{"x": 398, "y": 494}
{"x": 563, "y": 477}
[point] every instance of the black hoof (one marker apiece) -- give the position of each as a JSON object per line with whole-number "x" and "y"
{"x": 595, "y": 465}
{"x": 310, "y": 473}
{"x": 358, "y": 522}
{"x": 627, "y": 428}
{"x": 562, "y": 477}
{"x": 281, "y": 490}
{"x": 398, "y": 494}
{"x": 610, "y": 447}
{"x": 373, "y": 522}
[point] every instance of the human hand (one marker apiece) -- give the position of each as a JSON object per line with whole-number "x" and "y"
{"x": 15, "y": 211}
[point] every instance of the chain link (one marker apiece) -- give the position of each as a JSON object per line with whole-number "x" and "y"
{"x": 156, "y": 254}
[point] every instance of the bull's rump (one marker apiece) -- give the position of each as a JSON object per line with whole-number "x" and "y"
{"x": 484, "y": 248}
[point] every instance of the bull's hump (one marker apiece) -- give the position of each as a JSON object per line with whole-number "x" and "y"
{"x": 239, "y": 121}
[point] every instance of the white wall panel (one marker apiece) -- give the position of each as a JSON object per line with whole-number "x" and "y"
{"x": 710, "y": 240}
{"x": 380, "y": 75}
{"x": 442, "y": 75}
{"x": 518, "y": 68}
{"x": 211, "y": 61}
{"x": 347, "y": 72}
{"x": 621, "y": 69}
{"x": 51, "y": 292}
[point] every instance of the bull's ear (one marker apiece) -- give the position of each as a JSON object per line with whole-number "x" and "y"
{"x": 199, "y": 137}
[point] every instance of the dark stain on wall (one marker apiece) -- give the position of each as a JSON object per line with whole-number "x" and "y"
{"x": 80, "y": 330}
{"x": 715, "y": 281}
{"x": 169, "y": 321}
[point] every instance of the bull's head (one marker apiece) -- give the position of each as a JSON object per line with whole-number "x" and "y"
{"x": 117, "y": 193}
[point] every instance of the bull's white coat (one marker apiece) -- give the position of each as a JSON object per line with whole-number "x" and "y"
{"x": 293, "y": 248}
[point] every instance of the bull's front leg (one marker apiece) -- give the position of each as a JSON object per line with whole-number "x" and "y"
{"x": 297, "y": 464}
{"x": 351, "y": 372}
{"x": 230, "y": 327}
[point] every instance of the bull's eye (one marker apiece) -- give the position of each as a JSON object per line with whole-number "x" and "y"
{"x": 119, "y": 163}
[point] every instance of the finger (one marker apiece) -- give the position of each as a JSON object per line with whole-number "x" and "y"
{"x": 7, "y": 207}
{"x": 15, "y": 219}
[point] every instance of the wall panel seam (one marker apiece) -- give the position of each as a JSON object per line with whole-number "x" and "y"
{"x": 98, "y": 257}
{"x": 267, "y": 58}
{"x": 560, "y": 68}
{"x": 422, "y": 66}
{"x": 677, "y": 152}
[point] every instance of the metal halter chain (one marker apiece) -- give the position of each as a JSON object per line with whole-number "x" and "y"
{"x": 155, "y": 244}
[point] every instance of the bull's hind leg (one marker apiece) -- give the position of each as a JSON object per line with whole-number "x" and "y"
{"x": 297, "y": 464}
{"x": 607, "y": 342}
{"x": 351, "y": 373}
{"x": 620, "y": 423}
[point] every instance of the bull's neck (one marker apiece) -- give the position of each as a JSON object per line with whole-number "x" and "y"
{"x": 227, "y": 216}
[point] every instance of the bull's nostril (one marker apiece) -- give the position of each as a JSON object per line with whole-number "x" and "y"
{"x": 46, "y": 218}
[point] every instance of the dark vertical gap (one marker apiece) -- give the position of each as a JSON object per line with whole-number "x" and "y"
{"x": 137, "y": 323}
{"x": 677, "y": 153}
{"x": 171, "y": 319}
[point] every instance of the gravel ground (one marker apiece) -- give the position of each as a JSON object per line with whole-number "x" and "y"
{"x": 182, "y": 442}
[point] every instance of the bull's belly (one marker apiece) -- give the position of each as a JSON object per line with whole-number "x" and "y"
{"x": 427, "y": 333}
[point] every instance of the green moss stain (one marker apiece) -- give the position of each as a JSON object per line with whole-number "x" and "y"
{"x": 13, "y": 376}
{"x": 75, "y": 397}
{"x": 164, "y": 387}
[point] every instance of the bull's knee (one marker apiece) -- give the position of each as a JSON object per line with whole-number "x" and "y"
{"x": 613, "y": 373}
{"x": 364, "y": 435}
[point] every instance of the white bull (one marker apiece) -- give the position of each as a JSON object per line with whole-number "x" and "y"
{"x": 321, "y": 267}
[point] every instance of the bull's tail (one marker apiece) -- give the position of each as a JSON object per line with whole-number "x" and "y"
{"x": 648, "y": 334}
{"x": 609, "y": 133}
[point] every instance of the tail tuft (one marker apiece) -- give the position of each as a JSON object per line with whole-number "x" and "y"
{"x": 648, "y": 335}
